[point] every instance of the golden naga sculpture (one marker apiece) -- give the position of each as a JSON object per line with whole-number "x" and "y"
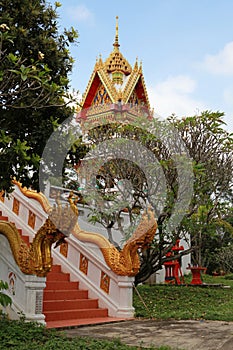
{"x": 62, "y": 221}
{"x": 36, "y": 258}
{"x": 38, "y": 196}
{"x": 125, "y": 262}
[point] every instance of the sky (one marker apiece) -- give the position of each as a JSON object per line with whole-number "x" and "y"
{"x": 186, "y": 49}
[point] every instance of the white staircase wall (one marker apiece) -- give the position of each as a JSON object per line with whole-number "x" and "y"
{"x": 114, "y": 292}
{"x": 26, "y": 291}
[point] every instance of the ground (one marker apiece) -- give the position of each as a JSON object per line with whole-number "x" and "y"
{"x": 187, "y": 335}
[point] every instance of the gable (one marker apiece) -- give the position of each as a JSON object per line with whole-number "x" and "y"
{"x": 101, "y": 96}
{"x": 91, "y": 91}
{"x": 138, "y": 95}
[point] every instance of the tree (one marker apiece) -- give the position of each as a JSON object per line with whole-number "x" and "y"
{"x": 34, "y": 66}
{"x": 210, "y": 149}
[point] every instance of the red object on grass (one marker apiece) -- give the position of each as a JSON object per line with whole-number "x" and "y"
{"x": 196, "y": 273}
{"x": 173, "y": 273}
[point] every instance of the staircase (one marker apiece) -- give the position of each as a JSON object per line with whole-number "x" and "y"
{"x": 80, "y": 289}
{"x": 66, "y": 305}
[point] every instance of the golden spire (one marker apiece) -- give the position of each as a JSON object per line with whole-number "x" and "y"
{"x": 116, "y": 63}
{"x": 116, "y": 43}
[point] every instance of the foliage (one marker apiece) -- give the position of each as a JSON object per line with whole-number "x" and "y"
{"x": 5, "y": 300}
{"x": 210, "y": 149}
{"x": 30, "y": 336}
{"x": 34, "y": 66}
{"x": 187, "y": 302}
{"x": 224, "y": 257}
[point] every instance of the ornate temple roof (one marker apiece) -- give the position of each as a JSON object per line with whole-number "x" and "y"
{"x": 114, "y": 80}
{"x": 116, "y": 61}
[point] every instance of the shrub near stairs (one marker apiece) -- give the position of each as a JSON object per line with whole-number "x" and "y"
{"x": 30, "y": 336}
{"x": 5, "y": 300}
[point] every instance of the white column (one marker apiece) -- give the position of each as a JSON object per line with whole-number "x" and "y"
{"x": 125, "y": 308}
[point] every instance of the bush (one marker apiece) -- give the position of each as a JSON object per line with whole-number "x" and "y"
{"x": 31, "y": 336}
{"x": 5, "y": 300}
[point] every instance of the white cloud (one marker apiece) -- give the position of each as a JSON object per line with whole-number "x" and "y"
{"x": 228, "y": 107}
{"x": 80, "y": 13}
{"x": 174, "y": 95}
{"x": 228, "y": 96}
{"x": 222, "y": 62}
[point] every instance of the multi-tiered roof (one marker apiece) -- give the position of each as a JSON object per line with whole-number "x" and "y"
{"x": 114, "y": 82}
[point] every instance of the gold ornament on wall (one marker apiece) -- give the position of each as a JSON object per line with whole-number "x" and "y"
{"x": 15, "y": 208}
{"x": 83, "y": 265}
{"x": 105, "y": 282}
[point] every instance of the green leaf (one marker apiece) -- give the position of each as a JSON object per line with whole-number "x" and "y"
{"x": 24, "y": 77}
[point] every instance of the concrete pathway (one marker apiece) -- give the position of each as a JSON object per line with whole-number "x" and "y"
{"x": 185, "y": 335}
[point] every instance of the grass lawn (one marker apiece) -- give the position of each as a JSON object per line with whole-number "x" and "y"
{"x": 187, "y": 302}
{"x": 163, "y": 302}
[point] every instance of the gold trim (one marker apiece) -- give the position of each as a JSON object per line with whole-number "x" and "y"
{"x": 104, "y": 282}
{"x": 83, "y": 264}
{"x": 106, "y": 81}
{"x": 16, "y": 205}
{"x": 38, "y": 196}
{"x": 126, "y": 262}
{"x": 116, "y": 43}
{"x": 2, "y": 196}
{"x": 64, "y": 249}
{"x": 31, "y": 219}
{"x": 130, "y": 86}
{"x": 145, "y": 91}
{"x": 85, "y": 94}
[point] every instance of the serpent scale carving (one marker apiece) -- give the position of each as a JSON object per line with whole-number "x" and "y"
{"x": 36, "y": 259}
{"x": 125, "y": 262}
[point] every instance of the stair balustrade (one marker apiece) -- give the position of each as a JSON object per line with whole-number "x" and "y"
{"x": 83, "y": 261}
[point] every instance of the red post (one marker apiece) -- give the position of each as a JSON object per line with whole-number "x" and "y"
{"x": 196, "y": 274}
{"x": 172, "y": 268}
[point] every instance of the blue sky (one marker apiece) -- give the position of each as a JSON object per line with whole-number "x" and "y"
{"x": 186, "y": 48}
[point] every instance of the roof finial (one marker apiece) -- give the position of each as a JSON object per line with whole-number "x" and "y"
{"x": 116, "y": 43}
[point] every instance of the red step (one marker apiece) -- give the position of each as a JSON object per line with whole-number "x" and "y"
{"x": 61, "y": 285}
{"x": 64, "y": 303}
{"x": 55, "y": 268}
{"x": 75, "y": 314}
{"x": 3, "y": 218}
{"x": 58, "y": 276}
{"x": 77, "y": 304}
{"x": 64, "y": 294}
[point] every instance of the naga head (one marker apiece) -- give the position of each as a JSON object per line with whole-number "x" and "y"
{"x": 63, "y": 218}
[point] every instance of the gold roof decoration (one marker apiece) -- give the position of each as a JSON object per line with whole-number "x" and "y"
{"x": 108, "y": 84}
{"x": 116, "y": 62}
{"x": 118, "y": 78}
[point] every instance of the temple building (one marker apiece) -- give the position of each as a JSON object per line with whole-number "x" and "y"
{"x": 114, "y": 83}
